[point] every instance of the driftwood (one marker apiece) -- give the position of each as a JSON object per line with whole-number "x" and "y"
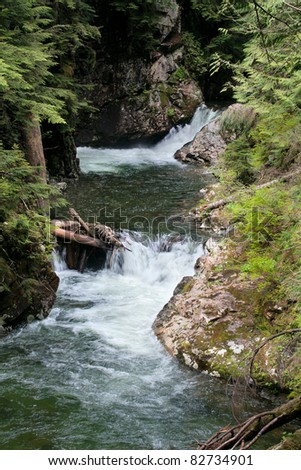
{"x": 215, "y": 205}
{"x": 99, "y": 231}
{"x": 66, "y": 224}
{"x": 83, "y": 224}
{"x": 205, "y": 209}
{"x": 244, "y": 435}
{"x": 86, "y": 245}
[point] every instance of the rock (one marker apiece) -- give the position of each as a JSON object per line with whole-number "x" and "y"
{"x": 162, "y": 69}
{"x": 170, "y": 21}
{"x": 205, "y": 147}
{"x": 215, "y": 222}
{"x": 212, "y": 324}
{"x": 292, "y": 441}
{"x": 30, "y": 286}
{"x": 28, "y": 298}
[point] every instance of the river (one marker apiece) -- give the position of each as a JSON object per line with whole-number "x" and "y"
{"x": 93, "y": 375}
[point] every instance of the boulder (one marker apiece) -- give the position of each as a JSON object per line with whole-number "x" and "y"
{"x": 29, "y": 293}
{"x": 205, "y": 147}
{"x": 213, "y": 323}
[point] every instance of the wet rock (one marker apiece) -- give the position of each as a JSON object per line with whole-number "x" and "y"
{"x": 205, "y": 147}
{"x": 29, "y": 294}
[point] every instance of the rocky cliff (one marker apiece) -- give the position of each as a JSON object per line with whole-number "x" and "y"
{"x": 140, "y": 96}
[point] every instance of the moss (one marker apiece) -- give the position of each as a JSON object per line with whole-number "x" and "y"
{"x": 170, "y": 112}
{"x": 188, "y": 286}
{"x": 291, "y": 441}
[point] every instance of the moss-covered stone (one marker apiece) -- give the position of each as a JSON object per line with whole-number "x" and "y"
{"x": 216, "y": 320}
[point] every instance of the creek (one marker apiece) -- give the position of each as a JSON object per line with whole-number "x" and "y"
{"x": 93, "y": 375}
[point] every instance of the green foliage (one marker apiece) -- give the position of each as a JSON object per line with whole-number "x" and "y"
{"x": 236, "y": 121}
{"x": 195, "y": 60}
{"x": 40, "y": 43}
{"x": 277, "y": 139}
{"x": 24, "y": 201}
{"x": 262, "y": 142}
{"x": 213, "y": 41}
{"x": 267, "y": 224}
{"x": 270, "y": 72}
{"x": 259, "y": 264}
{"x": 25, "y": 61}
{"x": 74, "y": 36}
{"x": 170, "y": 112}
{"x": 236, "y": 166}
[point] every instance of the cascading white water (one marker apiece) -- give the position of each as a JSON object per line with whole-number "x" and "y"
{"x": 131, "y": 292}
{"x": 102, "y": 160}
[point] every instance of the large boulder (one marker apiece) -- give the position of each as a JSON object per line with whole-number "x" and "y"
{"x": 29, "y": 290}
{"x": 205, "y": 148}
{"x": 214, "y": 323}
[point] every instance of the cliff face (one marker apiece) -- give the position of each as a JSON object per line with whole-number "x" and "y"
{"x": 140, "y": 96}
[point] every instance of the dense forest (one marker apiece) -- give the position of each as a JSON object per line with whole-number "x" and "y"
{"x": 68, "y": 67}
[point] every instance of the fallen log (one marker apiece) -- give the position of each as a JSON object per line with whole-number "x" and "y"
{"x": 244, "y": 435}
{"x": 205, "y": 209}
{"x": 77, "y": 237}
{"x": 215, "y": 205}
{"x": 85, "y": 245}
{"x": 66, "y": 224}
{"x": 99, "y": 231}
{"x": 83, "y": 224}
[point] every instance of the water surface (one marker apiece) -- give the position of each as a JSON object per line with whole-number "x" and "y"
{"x": 93, "y": 375}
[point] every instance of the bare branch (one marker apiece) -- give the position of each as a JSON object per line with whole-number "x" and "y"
{"x": 292, "y": 6}
{"x": 271, "y": 338}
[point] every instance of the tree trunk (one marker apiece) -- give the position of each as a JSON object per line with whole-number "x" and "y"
{"x": 34, "y": 151}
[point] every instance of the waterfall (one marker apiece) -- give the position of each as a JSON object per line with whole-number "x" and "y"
{"x": 110, "y": 160}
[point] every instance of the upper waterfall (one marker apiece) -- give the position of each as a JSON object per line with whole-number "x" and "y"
{"x": 109, "y": 160}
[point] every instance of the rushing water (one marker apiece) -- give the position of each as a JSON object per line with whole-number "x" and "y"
{"x": 93, "y": 375}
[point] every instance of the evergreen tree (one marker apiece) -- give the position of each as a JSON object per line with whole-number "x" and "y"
{"x": 270, "y": 74}
{"x": 39, "y": 45}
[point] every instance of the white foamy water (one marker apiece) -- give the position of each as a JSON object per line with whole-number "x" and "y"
{"x": 127, "y": 297}
{"x": 109, "y": 159}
